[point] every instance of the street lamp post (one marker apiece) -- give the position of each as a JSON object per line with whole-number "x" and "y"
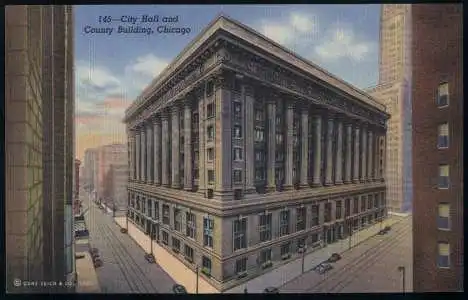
{"x": 196, "y": 286}
{"x": 304, "y": 248}
{"x": 403, "y": 275}
{"x": 126, "y": 218}
{"x": 113, "y": 209}
{"x": 151, "y": 239}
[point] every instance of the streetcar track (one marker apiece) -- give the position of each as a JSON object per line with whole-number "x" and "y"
{"x": 357, "y": 264}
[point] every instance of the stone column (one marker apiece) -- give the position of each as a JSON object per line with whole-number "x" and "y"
{"x": 188, "y": 182}
{"x": 201, "y": 142}
{"x": 329, "y": 155}
{"x": 339, "y": 154}
{"x": 175, "y": 151}
{"x": 317, "y": 180}
{"x": 356, "y": 154}
{"x": 289, "y": 146}
{"x": 131, "y": 153}
{"x": 363, "y": 155}
{"x": 165, "y": 149}
{"x": 271, "y": 152}
{"x": 138, "y": 153}
{"x": 349, "y": 151}
{"x": 248, "y": 92}
{"x": 149, "y": 153}
{"x": 376, "y": 157}
{"x": 144, "y": 165}
{"x": 304, "y": 146}
{"x": 384, "y": 157}
{"x": 157, "y": 149}
{"x": 371, "y": 153}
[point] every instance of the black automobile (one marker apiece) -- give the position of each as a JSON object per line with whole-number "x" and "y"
{"x": 97, "y": 263}
{"x": 150, "y": 258}
{"x": 334, "y": 258}
{"x": 385, "y": 230}
{"x": 323, "y": 268}
{"x": 123, "y": 230}
{"x": 271, "y": 290}
{"x": 179, "y": 289}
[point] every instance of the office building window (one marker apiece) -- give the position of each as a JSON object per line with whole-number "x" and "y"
{"x": 241, "y": 265}
{"x": 211, "y": 176}
{"x": 279, "y": 139}
{"x": 338, "y": 210}
{"x": 166, "y": 216}
{"x": 285, "y": 249}
{"x": 376, "y": 200}
{"x": 443, "y": 259}
{"x": 208, "y": 225}
{"x": 210, "y": 112}
{"x": 284, "y": 222}
{"x": 177, "y": 220}
{"x": 443, "y": 219}
{"x": 150, "y": 208}
{"x": 347, "y": 207}
{"x": 210, "y": 154}
{"x": 315, "y": 215}
{"x": 443, "y": 138}
{"x": 237, "y": 110}
{"x": 259, "y": 174}
{"x": 259, "y": 135}
{"x": 265, "y": 256}
{"x": 206, "y": 264}
{"x": 209, "y": 88}
{"x": 237, "y": 131}
{"x": 265, "y": 227}
{"x": 191, "y": 226}
{"x": 301, "y": 218}
{"x": 237, "y": 153}
{"x": 237, "y": 176}
{"x": 188, "y": 253}
{"x": 176, "y": 244}
{"x": 165, "y": 237}
{"x": 443, "y": 95}
{"x": 258, "y": 115}
{"x": 259, "y": 155}
{"x": 356, "y": 205}
{"x": 327, "y": 213}
{"x": 237, "y": 194}
{"x": 240, "y": 234}
{"x": 370, "y": 201}
{"x": 314, "y": 238}
{"x": 210, "y": 133}
{"x": 444, "y": 176}
{"x": 156, "y": 210}
{"x": 363, "y": 203}
{"x": 143, "y": 206}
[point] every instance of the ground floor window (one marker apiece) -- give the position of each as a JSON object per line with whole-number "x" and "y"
{"x": 175, "y": 244}
{"x": 285, "y": 249}
{"x": 188, "y": 253}
{"x": 301, "y": 243}
{"x": 241, "y": 265}
{"x": 363, "y": 221}
{"x": 265, "y": 256}
{"x": 206, "y": 263}
{"x": 165, "y": 237}
{"x": 355, "y": 224}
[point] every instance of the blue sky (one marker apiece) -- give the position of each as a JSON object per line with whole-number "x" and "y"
{"x": 111, "y": 70}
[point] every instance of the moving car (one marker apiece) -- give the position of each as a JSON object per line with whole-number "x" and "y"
{"x": 179, "y": 289}
{"x": 334, "y": 258}
{"x": 271, "y": 290}
{"x": 323, "y": 268}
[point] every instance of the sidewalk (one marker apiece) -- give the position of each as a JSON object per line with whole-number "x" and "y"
{"x": 285, "y": 273}
{"x": 171, "y": 265}
{"x": 87, "y": 277}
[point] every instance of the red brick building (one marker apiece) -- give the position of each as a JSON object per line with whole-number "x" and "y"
{"x": 437, "y": 97}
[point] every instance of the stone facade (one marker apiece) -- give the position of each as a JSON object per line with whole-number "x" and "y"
{"x": 250, "y": 154}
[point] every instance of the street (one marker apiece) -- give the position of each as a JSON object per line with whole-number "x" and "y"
{"x": 369, "y": 268}
{"x": 125, "y": 270}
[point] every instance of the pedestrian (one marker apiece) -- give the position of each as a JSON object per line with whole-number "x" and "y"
{"x": 245, "y": 290}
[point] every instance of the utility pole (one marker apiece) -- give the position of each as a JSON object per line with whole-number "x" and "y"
{"x": 304, "y": 248}
{"x": 113, "y": 209}
{"x": 197, "y": 278}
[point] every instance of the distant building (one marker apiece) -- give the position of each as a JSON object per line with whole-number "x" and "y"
{"x": 438, "y": 147}
{"x": 90, "y": 157}
{"x": 118, "y": 180}
{"x": 108, "y": 155}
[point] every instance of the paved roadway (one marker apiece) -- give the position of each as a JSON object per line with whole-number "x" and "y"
{"x": 125, "y": 269}
{"x": 372, "y": 267}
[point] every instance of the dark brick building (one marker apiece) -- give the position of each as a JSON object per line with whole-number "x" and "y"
{"x": 437, "y": 96}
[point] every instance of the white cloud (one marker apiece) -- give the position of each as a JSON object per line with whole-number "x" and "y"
{"x": 149, "y": 65}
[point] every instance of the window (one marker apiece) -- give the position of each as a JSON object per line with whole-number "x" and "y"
{"x": 285, "y": 249}
{"x": 327, "y": 216}
{"x": 210, "y": 132}
{"x": 443, "y": 139}
{"x": 237, "y": 131}
{"x": 355, "y": 205}
{"x": 195, "y": 119}
{"x": 210, "y": 154}
{"x": 208, "y": 225}
{"x": 211, "y": 176}
{"x": 259, "y": 135}
{"x": 176, "y": 244}
{"x": 209, "y": 88}
{"x": 191, "y": 226}
{"x": 237, "y": 194}
{"x": 237, "y": 153}
{"x": 376, "y": 200}
{"x": 278, "y": 120}
{"x": 279, "y": 139}
{"x": 265, "y": 227}
{"x": 240, "y": 234}
{"x": 443, "y": 219}
{"x": 265, "y": 256}
{"x": 143, "y": 206}
{"x": 206, "y": 263}
{"x": 443, "y": 177}
{"x": 156, "y": 210}
{"x": 177, "y": 220}
{"x": 195, "y": 174}
{"x": 241, "y": 265}
{"x": 363, "y": 221}
{"x": 259, "y": 174}
{"x": 370, "y": 203}
{"x": 237, "y": 110}
{"x": 314, "y": 238}
{"x": 338, "y": 209}
{"x": 301, "y": 218}
{"x": 210, "y": 110}
{"x": 301, "y": 243}
{"x": 443, "y": 259}
{"x": 188, "y": 252}
{"x": 347, "y": 207}
{"x": 165, "y": 237}
{"x": 315, "y": 215}
{"x": 237, "y": 176}
{"x": 443, "y": 95}
{"x": 209, "y": 193}
{"x": 258, "y": 155}
{"x": 363, "y": 203}
{"x": 166, "y": 217}
{"x": 258, "y": 115}
{"x": 150, "y": 208}
{"x": 284, "y": 222}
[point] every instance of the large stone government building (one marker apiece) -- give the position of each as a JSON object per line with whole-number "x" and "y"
{"x": 241, "y": 153}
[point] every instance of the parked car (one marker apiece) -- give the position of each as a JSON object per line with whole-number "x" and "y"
{"x": 334, "y": 258}
{"x": 323, "y": 268}
{"x": 179, "y": 289}
{"x": 382, "y": 232}
{"x": 98, "y": 263}
{"x": 271, "y": 290}
{"x": 93, "y": 250}
{"x": 123, "y": 230}
{"x": 387, "y": 228}
{"x": 150, "y": 258}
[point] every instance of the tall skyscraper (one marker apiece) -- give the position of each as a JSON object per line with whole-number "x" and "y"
{"x": 39, "y": 103}
{"x": 438, "y": 147}
{"x": 393, "y": 90}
